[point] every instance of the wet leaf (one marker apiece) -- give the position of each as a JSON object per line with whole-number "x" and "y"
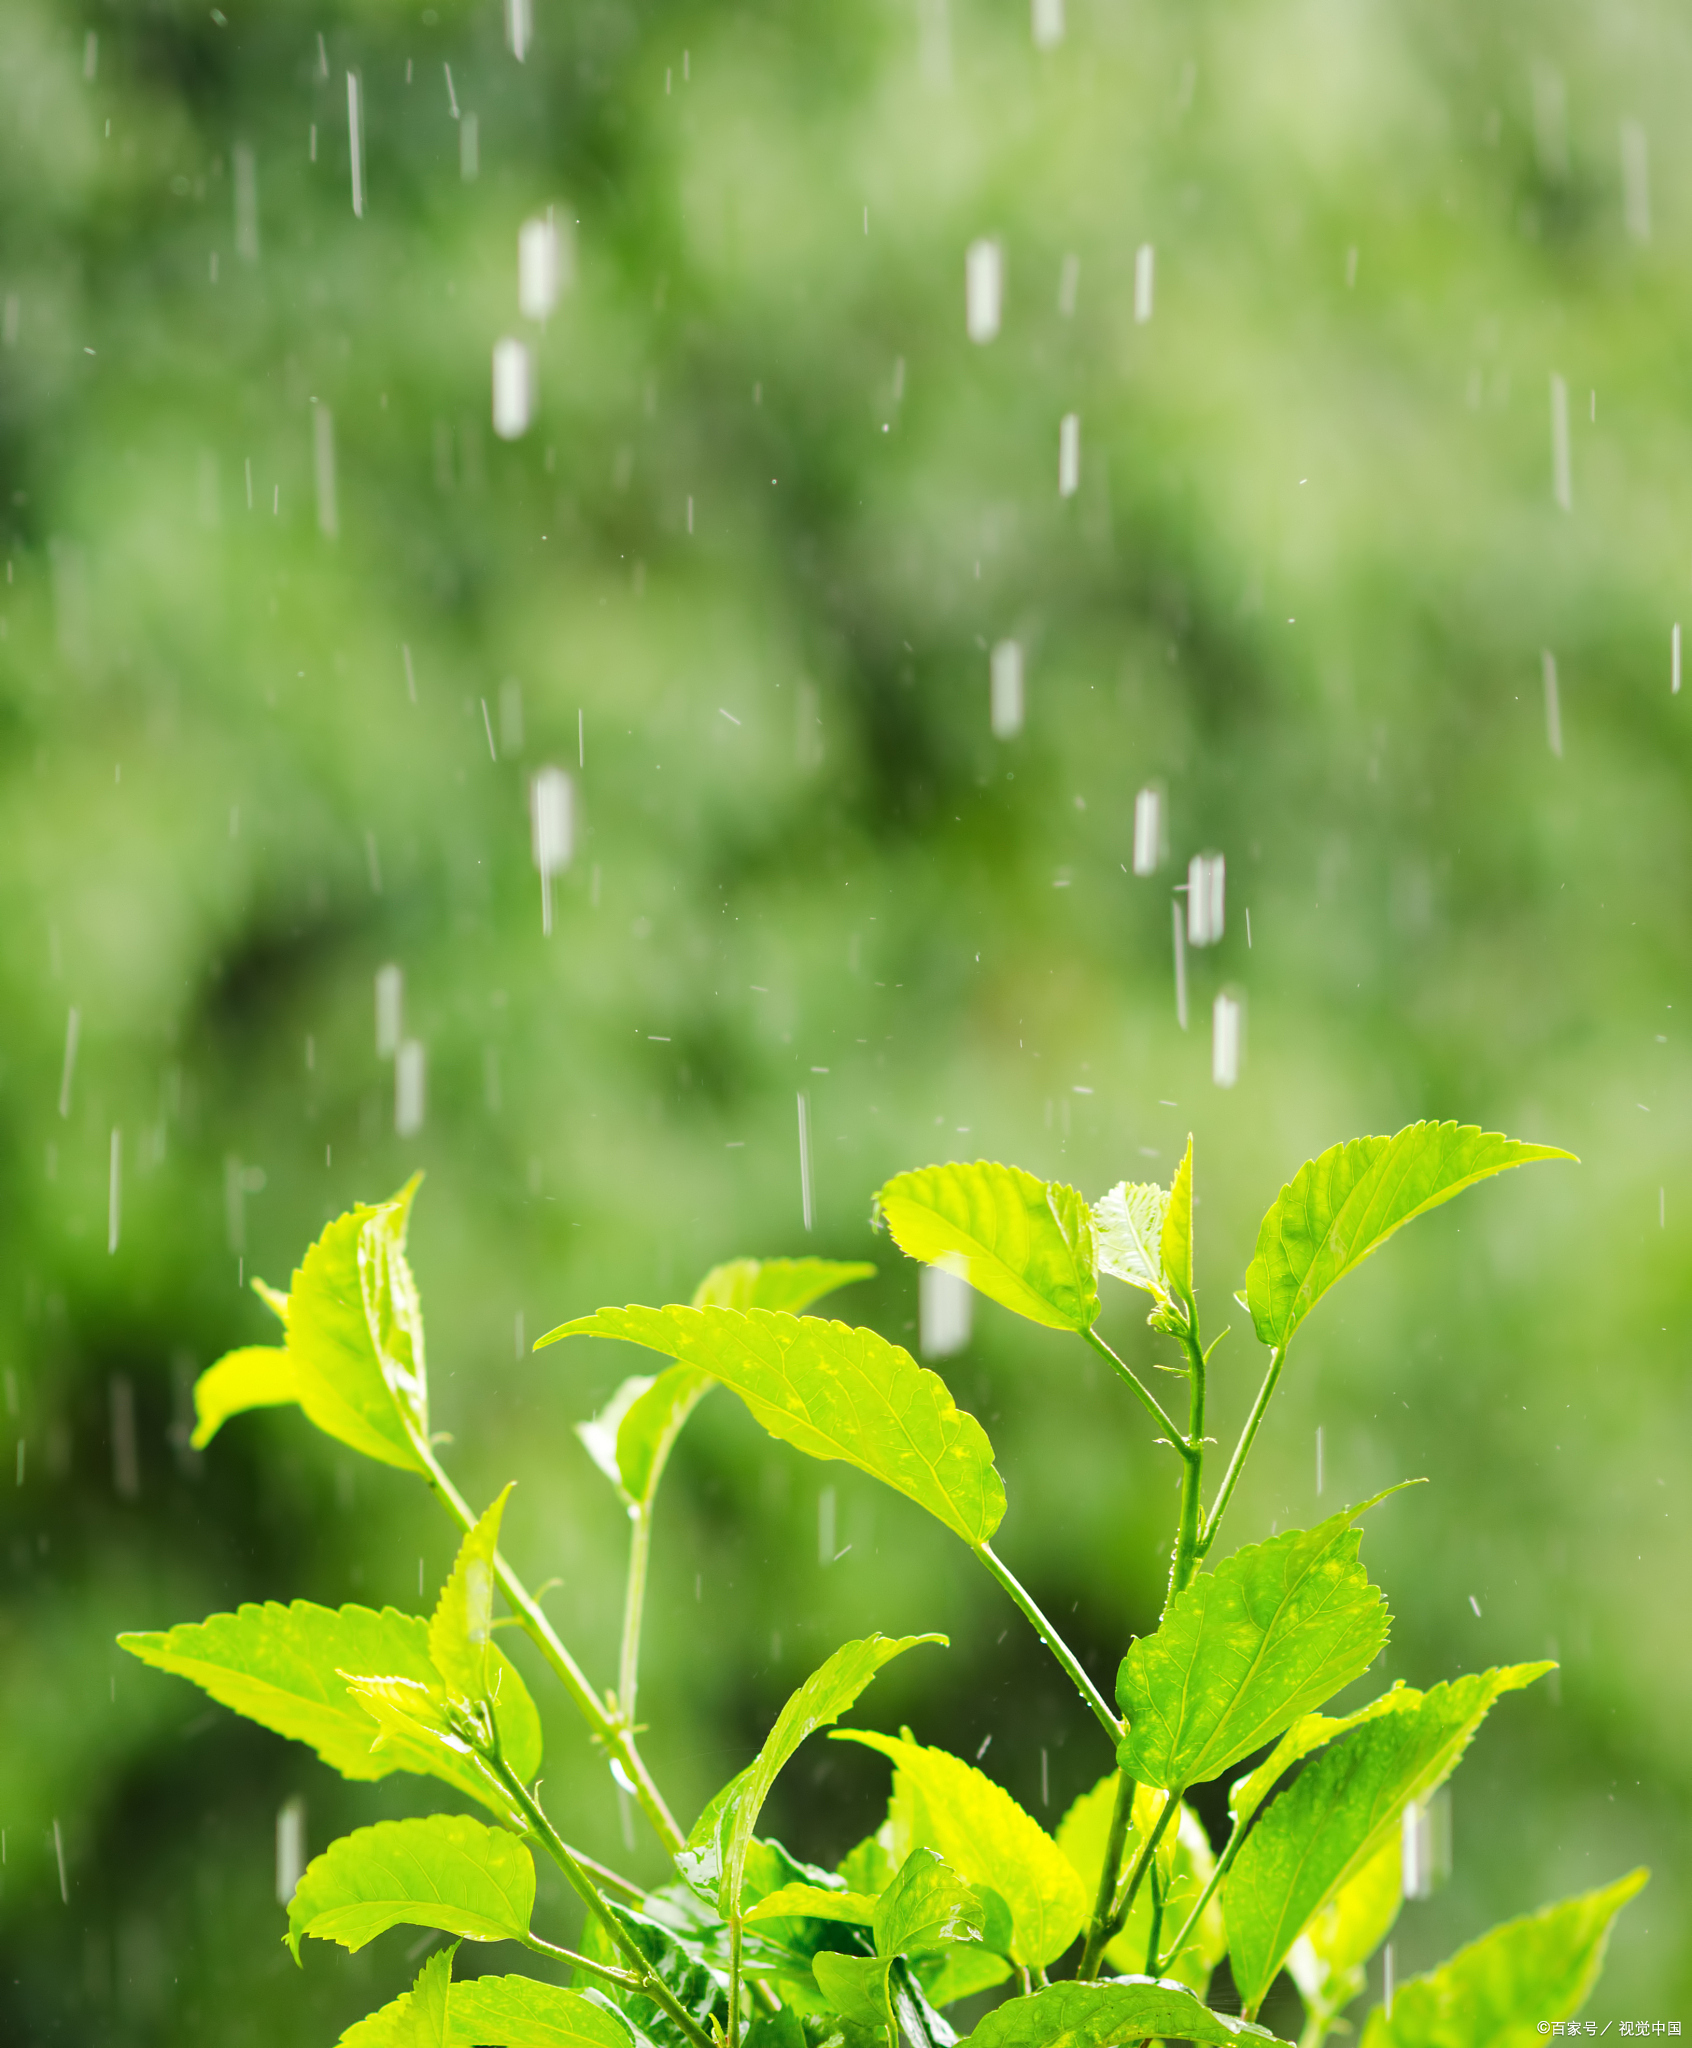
{"x": 926, "y": 1907}
{"x": 461, "y": 1630}
{"x": 1106, "y": 2015}
{"x": 447, "y": 1871}
{"x": 417, "y": 2018}
{"x": 518, "y": 2012}
{"x": 1128, "y": 1227}
{"x": 1177, "y": 1238}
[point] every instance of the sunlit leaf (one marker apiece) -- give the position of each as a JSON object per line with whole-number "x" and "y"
{"x": 856, "y": 1986}
{"x": 1503, "y": 1989}
{"x": 1023, "y": 1242}
{"x": 283, "y": 1667}
{"x": 988, "y": 1840}
{"x": 354, "y": 1341}
{"x": 829, "y": 1691}
{"x": 461, "y": 1630}
{"x": 1105, "y": 2015}
{"x": 259, "y": 1376}
{"x": 447, "y": 1871}
{"x": 1177, "y": 1237}
{"x": 1245, "y": 1650}
{"x": 1128, "y": 1228}
{"x": 790, "y": 1284}
{"x": 834, "y": 1392}
{"x": 418, "y": 2018}
{"x": 518, "y": 2012}
{"x": 814, "y": 1902}
{"x": 1340, "y": 1810}
{"x": 1339, "y": 1208}
{"x": 926, "y": 1907}
{"x": 1184, "y": 1862}
{"x": 630, "y": 1439}
{"x": 960, "y": 1973}
{"x": 695, "y": 1987}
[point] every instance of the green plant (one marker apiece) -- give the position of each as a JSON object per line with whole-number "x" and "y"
{"x": 960, "y": 1891}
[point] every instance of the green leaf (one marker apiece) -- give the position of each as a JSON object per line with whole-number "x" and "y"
{"x": 871, "y": 1866}
{"x": 630, "y": 1439}
{"x": 1023, "y": 1242}
{"x": 926, "y": 1907}
{"x": 815, "y": 1902}
{"x": 448, "y": 1872}
{"x": 461, "y": 1630}
{"x": 355, "y": 1341}
{"x": 1130, "y": 2009}
{"x": 829, "y": 1691}
{"x": 1339, "y": 1208}
{"x": 1502, "y": 1989}
{"x": 678, "y": 1964}
{"x": 518, "y": 2012}
{"x": 258, "y": 1376}
{"x": 1245, "y": 1650}
{"x": 284, "y": 1668}
{"x": 988, "y": 1840}
{"x": 417, "y": 2018}
{"x": 1177, "y": 1238}
{"x": 1128, "y": 1228}
{"x": 960, "y": 1973}
{"x": 856, "y": 1986}
{"x": 1344, "y": 1805}
{"x": 1184, "y": 1863}
{"x": 1327, "y": 1960}
{"x": 833, "y": 1392}
{"x": 790, "y": 1284}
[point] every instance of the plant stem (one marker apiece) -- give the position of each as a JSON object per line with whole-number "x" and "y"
{"x": 1110, "y": 1723}
{"x": 611, "y": 1729}
{"x": 1224, "y": 1863}
{"x": 1142, "y": 1862}
{"x": 1156, "y": 1921}
{"x": 650, "y": 1983}
{"x": 625, "y": 1980}
{"x": 634, "y": 1602}
{"x": 1230, "y": 1478}
{"x": 1097, "y": 1937}
{"x": 1187, "y": 1538}
{"x": 1134, "y": 1380}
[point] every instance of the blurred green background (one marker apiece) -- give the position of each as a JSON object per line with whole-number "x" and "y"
{"x": 740, "y": 578}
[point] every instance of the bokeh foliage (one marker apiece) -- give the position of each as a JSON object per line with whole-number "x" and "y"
{"x": 1306, "y": 583}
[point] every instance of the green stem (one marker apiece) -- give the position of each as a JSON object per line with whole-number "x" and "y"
{"x": 1156, "y": 1921}
{"x": 733, "y": 2030}
{"x": 1110, "y": 1723}
{"x": 1224, "y": 1863}
{"x": 1188, "y": 1537}
{"x": 1230, "y": 1478}
{"x": 1134, "y": 1380}
{"x": 610, "y": 1728}
{"x": 634, "y": 1602}
{"x": 1115, "y": 1842}
{"x": 650, "y": 1983}
{"x": 625, "y": 1980}
{"x": 1142, "y": 1862}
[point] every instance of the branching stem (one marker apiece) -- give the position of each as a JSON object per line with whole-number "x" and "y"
{"x": 1097, "y": 1929}
{"x": 1121, "y": 1365}
{"x": 611, "y": 1728}
{"x": 1188, "y": 1536}
{"x": 634, "y": 1602}
{"x": 1111, "y": 1725}
{"x": 650, "y": 1983}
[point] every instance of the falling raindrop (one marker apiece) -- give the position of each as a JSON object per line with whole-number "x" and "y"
{"x": 543, "y": 265}
{"x": 323, "y": 470}
{"x": 114, "y": 1192}
{"x": 290, "y": 1848}
{"x": 1427, "y": 1844}
{"x": 1180, "y": 925}
{"x": 1636, "y": 181}
{"x": 390, "y": 999}
{"x": 1206, "y": 878}
{"x": 1149, "y": 839}
{"x": 1069, "y": 455}
{"x": 1069, "y": 285}
{"x": 1553, "y": 705}
{"x": 551, "y": 832}
{"x": 408, "y": 1088}
{"x": 1227, "y": 1019}
{"x": 1005, "y": 676}
{"x": 1562, "y": 486}
{"x": 469, "y": 149}
{"x": 984, "y": 280}
{"x": 1674, "y": 662}
{"x": 513, "y": 388}
{"x": 519, "y": 27}
{"x": 355, "y": 141}
{"x": 945, "y": 1309}
{"x": 805, "y": 1204}
{"x": 73, "y": 1031}
{"x": 1047, "y": 24}
{"x": 825, "y": 1526}
{"x": 1145, "y": 258}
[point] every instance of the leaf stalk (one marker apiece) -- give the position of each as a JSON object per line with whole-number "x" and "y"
{"x": 1108, "y": 1721}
